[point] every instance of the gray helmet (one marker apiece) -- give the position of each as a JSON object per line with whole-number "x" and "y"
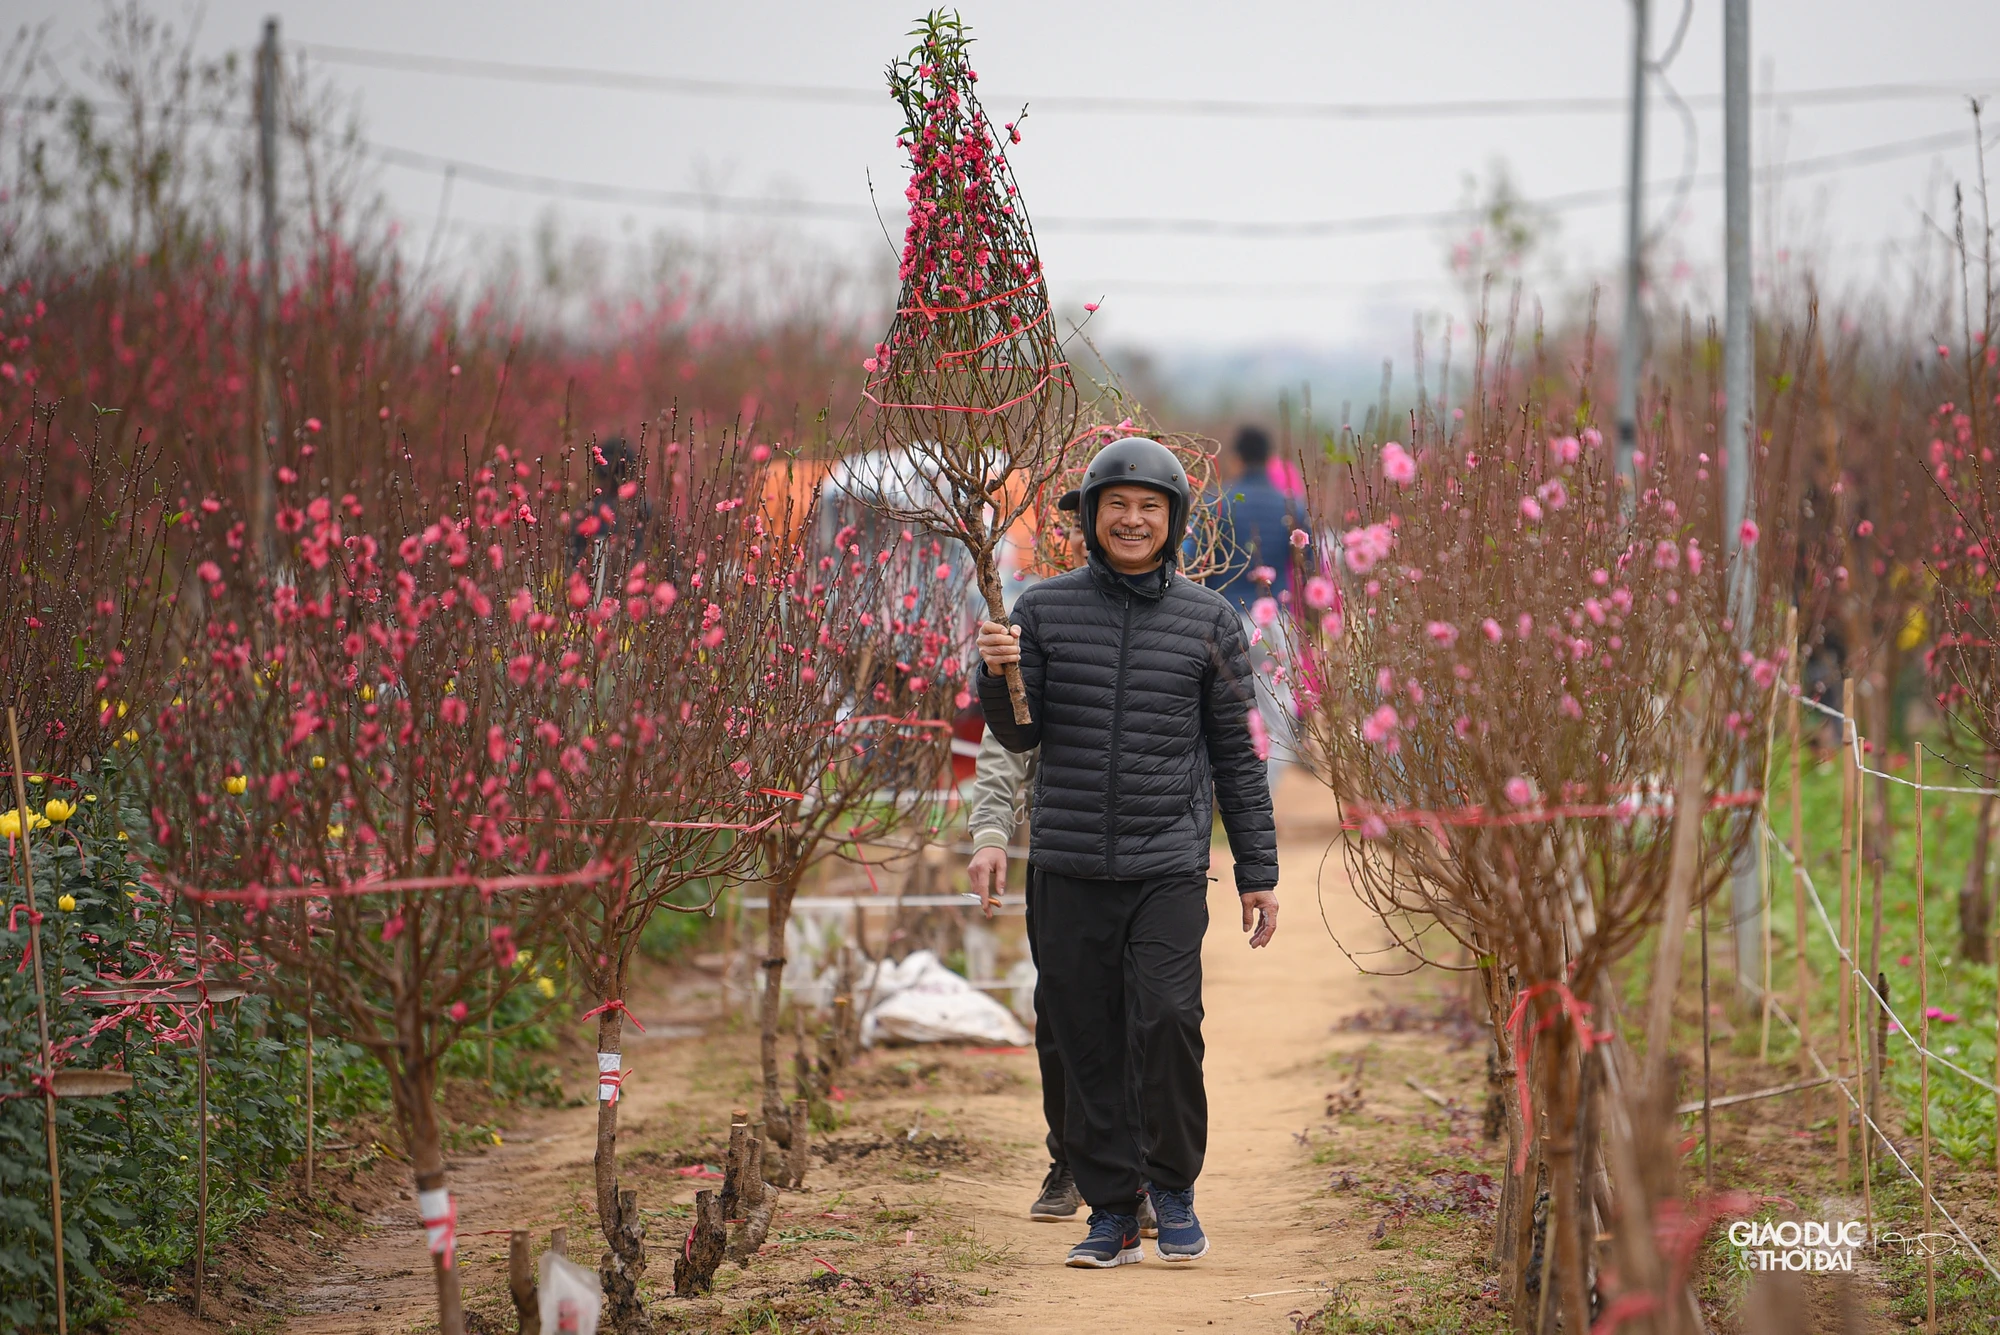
{"x": 1139, "y": 461}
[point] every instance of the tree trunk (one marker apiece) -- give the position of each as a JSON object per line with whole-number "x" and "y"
{"x": 624, "y": 1264}
{"x": 418, "y": 1087}
{"x": 694, "y": 1269}
{"x": 777, "y": 1117}
{"x": 1975, "y": 905}
{"x": 1565, "y": 1195}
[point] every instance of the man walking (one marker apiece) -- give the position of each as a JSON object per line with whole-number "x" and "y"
{"x": 1139, "y": 687}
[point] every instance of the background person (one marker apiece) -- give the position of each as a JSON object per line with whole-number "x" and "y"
{"x": 1255, "y": 521}
{"x": 607, "y": 533}
{"x": 1138, "y": 684}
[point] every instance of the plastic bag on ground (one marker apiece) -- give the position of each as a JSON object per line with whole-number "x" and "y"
{"x": 570, "y": 1297}
{"x": 921, "y": 1001}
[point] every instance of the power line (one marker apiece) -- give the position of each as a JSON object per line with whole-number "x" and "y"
{"x": 571, "y": 76}
{"x": 1133, "y": 225}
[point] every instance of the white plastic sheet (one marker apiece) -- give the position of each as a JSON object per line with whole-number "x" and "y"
{"x": 920, "y": 1001}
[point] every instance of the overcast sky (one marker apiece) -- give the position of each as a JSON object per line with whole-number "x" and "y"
{"x": 1343, "y": 292}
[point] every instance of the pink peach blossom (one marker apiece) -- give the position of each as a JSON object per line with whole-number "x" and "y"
{"x": 1397, "y": 465}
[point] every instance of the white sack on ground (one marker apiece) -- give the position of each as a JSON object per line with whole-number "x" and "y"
{"x": 920, "y": 1001}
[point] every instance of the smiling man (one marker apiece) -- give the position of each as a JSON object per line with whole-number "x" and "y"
{"x": 1139, "y": 685}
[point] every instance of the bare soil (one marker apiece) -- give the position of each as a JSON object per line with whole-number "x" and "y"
{"x": 1337, "y": 1195}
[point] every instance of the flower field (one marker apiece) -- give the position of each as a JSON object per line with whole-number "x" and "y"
{"x": 408, "y": 688}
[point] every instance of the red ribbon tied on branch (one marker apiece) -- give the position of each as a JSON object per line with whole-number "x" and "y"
{"x": 1523, "y": 1040}
{"x": 615, "y": 1004}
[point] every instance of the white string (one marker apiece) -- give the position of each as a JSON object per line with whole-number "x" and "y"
{"x": 1854, "y": 740}
{"x": 1890, "y": 1145}
{"x": 1902, "y": 1028}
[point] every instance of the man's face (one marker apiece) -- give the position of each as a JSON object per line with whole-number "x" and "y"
{"x": 1132, "y": 527}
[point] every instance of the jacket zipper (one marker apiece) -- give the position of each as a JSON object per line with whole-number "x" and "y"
{"x": 1117, "y": 735}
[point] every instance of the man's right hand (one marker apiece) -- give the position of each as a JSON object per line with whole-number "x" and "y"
{"x": 988, "y": 874}
{"x": 999, "y": 645}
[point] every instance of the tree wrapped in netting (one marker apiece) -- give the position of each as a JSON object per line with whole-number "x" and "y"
{"x": 1536, "y": 714}
{"x": 970, "y": 393}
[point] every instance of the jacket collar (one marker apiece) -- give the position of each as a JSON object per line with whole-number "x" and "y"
{"x": 1110, "y": 581}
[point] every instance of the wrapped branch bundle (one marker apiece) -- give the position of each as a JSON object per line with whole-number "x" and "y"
{"x": 970, "y": 394}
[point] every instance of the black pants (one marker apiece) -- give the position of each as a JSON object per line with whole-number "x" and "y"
{"x": 1055, "y": 1089}
{"x": 1118, "y": 984}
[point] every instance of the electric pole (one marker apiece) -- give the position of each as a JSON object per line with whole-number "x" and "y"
{"x": 1630, "y": 335}
{"x": 1739, "y": 356}
{"x": 262, "y": 495}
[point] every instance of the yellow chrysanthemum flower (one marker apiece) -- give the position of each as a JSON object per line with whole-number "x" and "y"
{"x": 67, "y": 903}
{"x": 319, "y": 762}
{"x": 236, "y": 785}
{"x": 546, "y": 986}
{"x": 58, "y": 810}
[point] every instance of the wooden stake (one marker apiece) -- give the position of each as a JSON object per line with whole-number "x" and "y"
{"x": 201, "y": 1124}
{"x": 41, "y": 1020}
{"x": 1707, "y": 1090}
{"x": 1683, "y": 871}
{"x": 521, "y": 1283}
{"x": 1802, "y": 970}
{"x": 1763, "y": 849}
{"x": 1864, "y": 1076}
{"x": 1924, "y": 1045}
{"x": 305, "y": 946}
{"x": 492, "y": 990}
{"x": 1844, "y": 991}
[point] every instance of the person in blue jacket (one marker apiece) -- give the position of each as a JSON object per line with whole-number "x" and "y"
{"x": 1256, "y": 522}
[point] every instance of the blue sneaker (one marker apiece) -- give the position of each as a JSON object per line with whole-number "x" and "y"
{"x": 1149, "y": 1223}
{"x": 1113, "y": 1240}
{"x": 1180, "y": 1237}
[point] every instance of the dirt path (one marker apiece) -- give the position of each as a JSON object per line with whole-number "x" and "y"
{"x": 1267, "y": 1023}
{"x": 1277, "y": 1243}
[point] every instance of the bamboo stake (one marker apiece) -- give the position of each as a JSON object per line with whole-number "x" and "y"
{"x": 41, "y": 1020}
{"x": 1924, "y": 1046}
{"x": 201, "y": 1121}
{"x": 1844, "y": 990}
{"x": 305, "y": 945}
{"x": 1764, "y": 852}
{"x": 1865, "y": 1076}
{"x": 1707, "y": 1091}
{"x": 1802, "y": 970}
{"x": 1878, "y": 1046}
{"x": 492, "y": 988}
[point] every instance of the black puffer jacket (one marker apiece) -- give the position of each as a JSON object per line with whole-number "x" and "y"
{"x": 1141, "y": 699}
